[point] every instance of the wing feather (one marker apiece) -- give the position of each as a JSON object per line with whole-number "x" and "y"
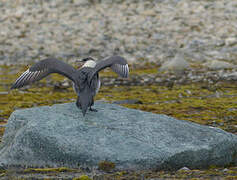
{"x": 42, "y": 69}
{"x": 122, "y": 70}
{"x": 117, "y": 63}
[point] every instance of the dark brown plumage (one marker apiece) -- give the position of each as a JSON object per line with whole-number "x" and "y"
{"x": 86, "y": 79}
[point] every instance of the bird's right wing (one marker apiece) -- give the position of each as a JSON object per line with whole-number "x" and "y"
{"x": 43, "y": 68}
{"x": 117, "y": 63}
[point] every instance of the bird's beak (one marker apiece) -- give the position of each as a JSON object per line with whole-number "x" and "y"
{"x": 79, "y": 63}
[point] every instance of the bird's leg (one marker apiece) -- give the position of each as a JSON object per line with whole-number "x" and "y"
{"x": 91, "y": 109}
{"x": 78, "y": 104}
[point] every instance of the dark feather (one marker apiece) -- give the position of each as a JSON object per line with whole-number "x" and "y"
{"x": 42, "y": 69}
{"x": 117, "y": 63}
{"x": 86, "y": 91}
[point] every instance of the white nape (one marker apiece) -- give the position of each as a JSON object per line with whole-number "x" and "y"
{"x": 90, "y": 63}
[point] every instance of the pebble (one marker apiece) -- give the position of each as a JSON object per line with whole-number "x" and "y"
{"x": 170, "y": 78}
{"x": 128, "y": 101}
{"x": 151, "y": 31}
{"x": 230, "y": 76}
{"x": 3, "y": 92}
{"x": 177, "y": 64}
{"x": 184, "y": 169}
{"x": 231, "y": 41}
{"x": 225, "y": 170}
{"x": 215, "y": 64}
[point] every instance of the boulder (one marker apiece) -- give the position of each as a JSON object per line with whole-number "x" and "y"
{"x": 58, "y": 135}
{"x": 216, "y": 64}
{"x": 178, "y": 64}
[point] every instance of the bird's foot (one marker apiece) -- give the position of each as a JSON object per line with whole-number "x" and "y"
{"x": 94, "y": 110}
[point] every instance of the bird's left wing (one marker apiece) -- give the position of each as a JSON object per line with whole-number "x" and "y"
{"x": 117, "y": 63}
{"x": 43, "y": 68}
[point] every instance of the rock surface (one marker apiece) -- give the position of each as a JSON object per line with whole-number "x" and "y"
{"x": 59, "y": 136}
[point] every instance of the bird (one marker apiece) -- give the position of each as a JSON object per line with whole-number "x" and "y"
{"x": 86, "y": 81}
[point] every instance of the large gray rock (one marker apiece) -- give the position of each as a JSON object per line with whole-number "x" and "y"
{"x": 60, "y": 136}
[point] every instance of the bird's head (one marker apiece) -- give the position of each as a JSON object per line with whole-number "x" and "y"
{"x": 88, "y": 62}
{"x": 87, "y": 59}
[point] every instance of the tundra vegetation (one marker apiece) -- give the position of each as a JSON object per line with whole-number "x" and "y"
{"x": 205, "y": 102}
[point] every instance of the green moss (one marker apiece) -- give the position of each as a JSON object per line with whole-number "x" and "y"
{"x": 231, "y": 177}
{"x": 195, "y": 102}
{"x": 83, "y": 177}
{"x": 212, "y": 173}
{"x": 2, "y": 171}
{"x": 106, "y": 166}
{"x": 47, "y": 170}
{"x": 2, "y": 129}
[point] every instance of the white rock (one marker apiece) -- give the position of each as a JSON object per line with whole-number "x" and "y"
{"x": 184, "y": 169}
{"x": 177, "y": 64}
{"x": 19, "y": 12}
{"x": 215, "y": 64}
{"x": 231, "y": 41}
{"x": 231, "y": 76}
{"x": 225, "y": 170}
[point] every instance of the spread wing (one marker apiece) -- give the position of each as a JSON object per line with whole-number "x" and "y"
{"x": 42, "y": 69}
{"x": 117, "y": 63}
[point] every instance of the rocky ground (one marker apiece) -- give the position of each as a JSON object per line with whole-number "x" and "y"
{"x": 209, "y": 101}
{"x": 156, "y": 30}
{"x": 182, "y": 53}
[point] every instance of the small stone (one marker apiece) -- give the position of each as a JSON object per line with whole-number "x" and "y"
{"x": 231, "y": 41}
{"x": 62, "y": 85}
{"x": 230, "y": 76}
{"x": 219, "y": 43}
{"x": 65, "y": 84}
{"x": 184, "y": 169}
{"x": 188, "y": 91}
{"x": 19, "y": 12}
{"x": 149, "y": 12}
{"x": 177, "y": 64}
{"x": 216, "y": 64}
{"x": 218, "y": 94}
{"x": 232, "y": 109}
{"x": 3, "y": 92}
{"x": 83, "y": 177}
{"x": 128, "y": 101}
{"x": 225, "y": 170}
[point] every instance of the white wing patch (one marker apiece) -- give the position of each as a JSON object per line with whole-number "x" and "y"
{"x": 122, "y": 70}
{"x": 27, "y": 77}
{"x": 98, "y": 86}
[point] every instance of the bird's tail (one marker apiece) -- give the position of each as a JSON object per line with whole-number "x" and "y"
{"x": 84, "y": 100}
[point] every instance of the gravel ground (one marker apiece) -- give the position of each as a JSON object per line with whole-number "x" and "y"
{"x": 156, "y": 30}
{"x": 171, "y": 33}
